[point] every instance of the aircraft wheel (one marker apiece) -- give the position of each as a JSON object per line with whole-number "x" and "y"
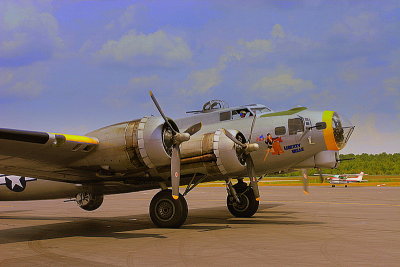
{"x": 345, "y": 185}
{"x": 248, "y": 205}
{"x": 333, "y": 185}
{"x": 166, "y": 212}
{"x": 89, "y": 201}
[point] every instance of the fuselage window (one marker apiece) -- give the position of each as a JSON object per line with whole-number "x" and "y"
{"x": 307, "y": 122}
{"x": 295, "y": 125}
{"x": 224, "y": 116}
{"x": 280, "y": 130}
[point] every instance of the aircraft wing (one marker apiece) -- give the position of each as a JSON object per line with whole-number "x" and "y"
{"x": 44, "y": 155}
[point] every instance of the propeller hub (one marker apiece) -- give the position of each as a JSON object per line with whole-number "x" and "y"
{"x": 181, "y": 137}
{"x": 252, "y": 147}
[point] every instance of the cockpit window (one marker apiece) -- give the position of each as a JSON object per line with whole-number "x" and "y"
{"x": 295, "y": 125}
{"x": 261, "y": 110}
{"x": 241, "y": 113}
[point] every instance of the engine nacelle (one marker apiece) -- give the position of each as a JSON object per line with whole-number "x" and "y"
{"x": 324, "y": 159}
{"x": 128, "y": 146}
{"x": 212, "y": 153}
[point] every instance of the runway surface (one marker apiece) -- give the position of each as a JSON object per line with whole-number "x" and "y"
{"x": 355, "y": 226}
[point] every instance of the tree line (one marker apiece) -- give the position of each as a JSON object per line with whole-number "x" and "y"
{"x": 373, "y": 164}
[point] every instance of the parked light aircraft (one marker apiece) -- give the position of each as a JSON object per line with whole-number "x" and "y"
{"x": 345, "y": 178}
{"x": 153, "y": 152}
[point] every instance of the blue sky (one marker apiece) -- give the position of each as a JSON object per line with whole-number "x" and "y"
{"x": 74, "y": 66}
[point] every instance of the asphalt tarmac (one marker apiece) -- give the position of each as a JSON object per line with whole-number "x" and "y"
{"x": 354, "y": 226}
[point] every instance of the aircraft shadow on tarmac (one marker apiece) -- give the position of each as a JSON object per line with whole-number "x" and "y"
{"x": 207, "y": 219}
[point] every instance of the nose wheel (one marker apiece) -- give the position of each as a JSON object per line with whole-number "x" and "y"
{"x": 167, "y": 212}
{"x": 245, "y": 205}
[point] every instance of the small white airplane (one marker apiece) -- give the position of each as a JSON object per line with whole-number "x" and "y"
{"x": 346, "y": 178}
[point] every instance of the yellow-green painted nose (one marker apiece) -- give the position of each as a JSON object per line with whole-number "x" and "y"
{"x": 338, "y": 130}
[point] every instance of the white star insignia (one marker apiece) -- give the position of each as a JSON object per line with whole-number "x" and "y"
{"x": 15, "y": 180}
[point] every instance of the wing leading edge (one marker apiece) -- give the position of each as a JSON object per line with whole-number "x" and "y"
{"x": 39, "y": 152}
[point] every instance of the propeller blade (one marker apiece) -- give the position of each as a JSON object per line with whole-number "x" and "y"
{"x": 194, "y": 128}
{"x": 252, "y": 177}
{"x": 161, "y": 112}
{"x": 305, "y": 181}
{"x": 175, "y": 171}
{"x": 321, "y": 177}
{"x": 230, "y": 136}
{"x": 252, "y": 127}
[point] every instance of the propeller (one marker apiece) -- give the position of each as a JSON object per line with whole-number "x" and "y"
{"x": 321, "y": 177}
{"x": 305, "y": 181}
{"x": 246, "y": 149}
{"x": 177, "y": 138}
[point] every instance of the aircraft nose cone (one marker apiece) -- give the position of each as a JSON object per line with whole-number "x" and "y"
{"x": 338, "y": 130}
{"x": 342, "y": 129}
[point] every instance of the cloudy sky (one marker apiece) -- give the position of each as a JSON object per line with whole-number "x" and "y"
{"x": 73, "y": 66}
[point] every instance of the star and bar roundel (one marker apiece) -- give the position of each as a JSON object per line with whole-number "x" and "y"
{"x": 15, "y": 183}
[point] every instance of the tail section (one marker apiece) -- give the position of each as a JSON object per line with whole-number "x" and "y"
{"x": 360, "y": 176}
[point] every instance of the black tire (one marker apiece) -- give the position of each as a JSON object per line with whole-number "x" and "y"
{"x": 333, "y": 185}
{"x": 248, "y": 204}
{"x": 345, "y": 185}
{"x": 166, "y": 212}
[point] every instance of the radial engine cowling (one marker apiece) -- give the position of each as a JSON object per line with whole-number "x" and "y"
{"x": 212, "y": 153}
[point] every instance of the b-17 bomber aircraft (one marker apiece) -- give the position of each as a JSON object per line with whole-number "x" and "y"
{"x": 215, "y": 143}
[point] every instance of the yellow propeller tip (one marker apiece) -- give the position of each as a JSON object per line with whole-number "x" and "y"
{"x": 306, "y": 193}
{"x": 258, "y": 199}
{"x": 175, "y": 197}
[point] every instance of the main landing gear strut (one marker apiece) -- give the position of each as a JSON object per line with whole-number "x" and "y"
{"x": 241, "y": 200}
{"x": 167, "y": 212}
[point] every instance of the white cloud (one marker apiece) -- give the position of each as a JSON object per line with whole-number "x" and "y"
{"x": 368, "y": 137}
{"x": 364, "y": 26}
{"x": 277, "y": 31}
{"x": 392, "y": 86}
{"x": 22, "y": 82}
{"x": 282, "y": 82}
{"x": 392, "y": 90}
{"x": 257, "y": 47}
{"x": 143, "y": 80}
{"x": 139, "y": 50}
{"x": 126, "y": 18}
{"x": 6, "y": 77}
{"x": 203, "y": 80}
{"x": 26, "y": 89}
{"x": 27, "y": 34}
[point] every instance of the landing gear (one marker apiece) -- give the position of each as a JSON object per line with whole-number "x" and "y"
{"x": 333, "y": 185}
{"x": 345, "y": 185}
{"x": 167, "y": 212}
{"x": 89, "y": 201}
{"x": 247, "y": 205}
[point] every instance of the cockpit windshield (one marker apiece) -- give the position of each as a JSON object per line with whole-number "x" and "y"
{"x": 259, "y": 109}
